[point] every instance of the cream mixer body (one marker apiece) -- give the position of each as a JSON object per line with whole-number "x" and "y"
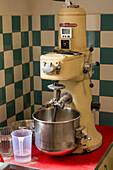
{"x": 70, "y": 64}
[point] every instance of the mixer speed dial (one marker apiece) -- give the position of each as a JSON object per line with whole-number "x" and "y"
{"x": 49, "y": 67}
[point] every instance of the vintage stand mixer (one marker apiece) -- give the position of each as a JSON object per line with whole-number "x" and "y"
{"x": 70, "y": 68}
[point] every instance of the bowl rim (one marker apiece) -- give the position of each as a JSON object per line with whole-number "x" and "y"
{"x": 61, "y": 122}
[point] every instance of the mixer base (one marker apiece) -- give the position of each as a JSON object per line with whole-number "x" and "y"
{"x": 88, "y": 148}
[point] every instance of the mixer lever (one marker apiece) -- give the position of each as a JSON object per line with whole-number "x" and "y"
{"x": 87, "y": 67}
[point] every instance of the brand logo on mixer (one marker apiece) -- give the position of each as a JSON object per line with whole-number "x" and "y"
{"x": 68, "y": 25}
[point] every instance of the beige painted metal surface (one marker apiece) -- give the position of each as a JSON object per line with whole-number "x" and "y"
{"x": 75, "y": 16}
{"x": 106, "y": 163}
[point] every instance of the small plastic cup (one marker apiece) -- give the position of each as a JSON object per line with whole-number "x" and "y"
{"x": 6, "y": 148}
{"x": 22, "y": 143}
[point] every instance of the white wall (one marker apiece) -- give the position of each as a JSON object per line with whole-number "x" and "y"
{"x": 28, "y": 7}
{"x": 52, "y": 7}
{"x": 15, "y": 7}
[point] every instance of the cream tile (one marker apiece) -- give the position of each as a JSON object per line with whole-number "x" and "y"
{"x": 56, "y": 22}
{"x": 24, "y": 23}
{"x": 106, "y": 72}
{"x": 19, "y": 104}
{"x": 30, "y": 38}
{"x": 31, "y": 69}
{"x": 36, "y": 107}
{"x": 36, "y": 53}
{"x": 10, "y": 93}
{"x": 25, "y": 55}
{"x": 36, "y": 23}
{"x": 106, "y": 104}
{"x": 8, "y": 59}
{"x": 26, "y": 85}
{"x": 1, "y": 42}
{"x": 11, "y": 119}
{"x": 3, "y": 113}
{"x": 93, "y": 22}
{"x": 32, "y": 98}
{"x": 47, "y": 38}
{"x": 17, "y": 73}
{"x": 27, "y": 113}
{"x": 37, "y": 83}
{"x": 95, "y": 89}
{"x": 96, "y": 55}
{"x": 16, "y": 40}
{"x": 46, "y": 96}
{"x": 7, "y": 24}
{"x": 107, "y": 39}
{"x": 96, "y": 117}
{"x": 2, "y": 78}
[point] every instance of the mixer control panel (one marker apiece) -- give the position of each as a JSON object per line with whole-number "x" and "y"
{"x": 65, "y": 44}
{"x": 66, "y": 32}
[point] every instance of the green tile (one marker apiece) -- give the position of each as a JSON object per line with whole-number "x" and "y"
{"x": 26, "y": 72}
{"x": 7, "y": 41}
{"x": 30, "y": 23}
{"x": 16, "y": 23}
{"x": 45, "y": 49}
{"x": 1, "y": 60}
{"x": 47, "y": 22}
{"x": 45, "y": 83}
{"x": 20, "y": 116}
{"x": 4, "y": 123}
{"x": 36, "y": 37}
{"x": 106, "y": 88}
{"x": 1, "y": 25}
{"x": 27, "y": 100}
{"x": 31, "y": 53}
{"x": 96, "y": 74}
{"x": 9, "y": 76}
{"x": 10, "y": 108}
{"x": 18, "y": 89}
{"x": 106, "y": 22}
{"x": 36, "y": 68}
{"x": 95, "y": 98}
{"x": 38, "y": 97}
{"x": 31, "y": 83}
{"x": 106, "y": 55}
{"x": 17, "y": 57}
{"x": 106, "y": 118}
{"x": 2, "y": 96}
{"x": 56, "y": 38}
{"x": 93, "y": 38}
{"x": 32, "y": 110}
{"x": 24, "y": 39}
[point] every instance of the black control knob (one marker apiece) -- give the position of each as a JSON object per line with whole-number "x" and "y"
{"x": 91, "y": 85}
{"x": 91, "y": 49}
{"x": 95, "y": 105}
{"x": 85, "y": 71}
{"x": 97, "y": 63}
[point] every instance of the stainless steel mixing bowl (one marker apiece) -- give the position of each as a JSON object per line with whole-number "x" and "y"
{"x": 59, "y": 137}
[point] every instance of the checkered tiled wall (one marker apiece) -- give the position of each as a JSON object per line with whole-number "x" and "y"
{"x": 23, "y": 39}
{"x": 16, "y": 69}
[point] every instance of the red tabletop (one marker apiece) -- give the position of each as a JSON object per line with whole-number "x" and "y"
{"x": 86, "y": 161}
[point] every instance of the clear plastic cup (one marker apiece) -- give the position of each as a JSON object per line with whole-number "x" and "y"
{"x": 6, "y": 148}
{"x": 22, "y": 143}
